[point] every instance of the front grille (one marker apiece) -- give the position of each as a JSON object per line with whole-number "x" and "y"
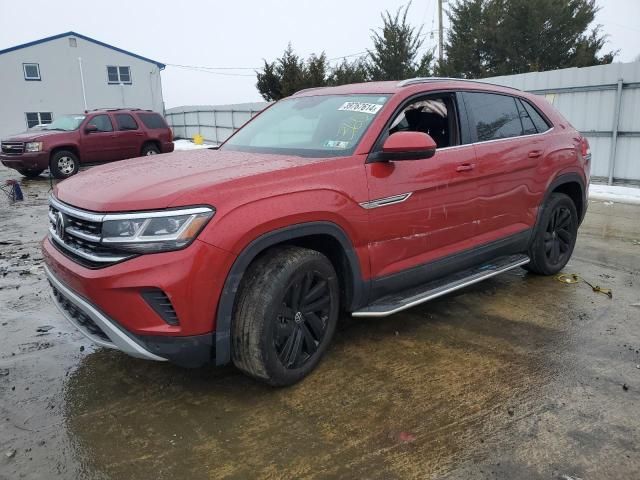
{"x": 82, "y": 319}
{"x": 159, "y": 301}
{"x": 77, "y": 234}
{"x": 12, "y": 148}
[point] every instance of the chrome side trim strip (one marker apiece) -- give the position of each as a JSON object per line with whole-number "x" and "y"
{"x": 383, "y": 202}
{"x": 121, "y": 341}
{"x": 433, "y": 294}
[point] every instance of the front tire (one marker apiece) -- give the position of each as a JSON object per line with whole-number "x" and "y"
{"x": 64, "y": 164}
{"x": 555, "y": 236}
{"x": 285, "y": 315}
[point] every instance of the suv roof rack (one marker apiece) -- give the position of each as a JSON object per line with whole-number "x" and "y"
{"x": 117, "y": 109}
{"x": 417, "y": 80}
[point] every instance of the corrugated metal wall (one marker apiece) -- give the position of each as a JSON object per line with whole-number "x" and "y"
{"x": 602, "y": 102}
{"x": 214, "y": 122}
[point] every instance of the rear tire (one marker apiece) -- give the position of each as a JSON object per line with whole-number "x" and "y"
{"x": 30, "y": 173}
{"x": 64, "y": 164}
{"x": 555, "y": 236}
{"x": 150, "y": 149}
{"x": 285, "y": 315}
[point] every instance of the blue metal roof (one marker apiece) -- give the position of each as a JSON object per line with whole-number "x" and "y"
{"x": 88, "y": 39}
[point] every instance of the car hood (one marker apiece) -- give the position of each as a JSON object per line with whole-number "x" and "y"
{"x": 159, "y": 181}
{"x": 32, "y": 135}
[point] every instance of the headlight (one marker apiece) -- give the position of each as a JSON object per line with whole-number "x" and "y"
{"x": 33, "y": 147}
{"x": 149, "y": 232}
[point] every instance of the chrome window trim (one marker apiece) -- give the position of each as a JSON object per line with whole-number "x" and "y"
{"x": 383, "y": 202}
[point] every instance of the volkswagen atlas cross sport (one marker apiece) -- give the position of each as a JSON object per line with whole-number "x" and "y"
{"x": 92, "y": 137}
{"x": 367, "y": 198}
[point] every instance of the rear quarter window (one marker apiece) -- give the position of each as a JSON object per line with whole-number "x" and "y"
{"x": 152, "y": 120}
{"x": 538, "y": 120}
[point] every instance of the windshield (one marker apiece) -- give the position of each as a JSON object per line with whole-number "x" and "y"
{"x": 65, "y": 122}
{"x": 325, "y": 125}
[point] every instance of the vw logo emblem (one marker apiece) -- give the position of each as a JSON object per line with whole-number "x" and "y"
{"x": 298, "y": 318}
{"x": 60, "y": 225}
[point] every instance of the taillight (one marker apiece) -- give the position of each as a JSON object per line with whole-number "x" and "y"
{"x": 586, "y": 150}
{"x": 170, "y": 135}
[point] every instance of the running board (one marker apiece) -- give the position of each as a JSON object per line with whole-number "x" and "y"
{"x": 394, "y": 303}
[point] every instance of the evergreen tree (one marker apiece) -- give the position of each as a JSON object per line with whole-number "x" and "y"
{"x": 349, "y": 72}
{"x": 504, "y": 37}
{"x": 395, "y": 49}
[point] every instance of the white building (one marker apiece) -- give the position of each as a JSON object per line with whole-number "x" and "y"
{"x": 70, "y": 73}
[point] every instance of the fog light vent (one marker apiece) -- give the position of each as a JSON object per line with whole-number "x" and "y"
{"x": 159, "y": 301}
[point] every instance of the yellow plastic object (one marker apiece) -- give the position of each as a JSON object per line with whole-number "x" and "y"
{"x": 568, "y": 278}
{"x": 198, "y": 139}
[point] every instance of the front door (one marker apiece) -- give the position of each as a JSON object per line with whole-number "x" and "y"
{"x": 422, "y": 210}
{"x": 98, "y": 145}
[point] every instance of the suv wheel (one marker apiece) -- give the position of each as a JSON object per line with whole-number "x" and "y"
{"x": 285, "y": 315}
{"x": 555, "y": 236}
{"x": 64, "y": 164}
{"x": 150, "y": 149}
{"x": 30, "y": 173}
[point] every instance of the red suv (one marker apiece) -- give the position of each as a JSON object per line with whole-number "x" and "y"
{"x": 95, "y": 136}
{"x": 367, "y": 199}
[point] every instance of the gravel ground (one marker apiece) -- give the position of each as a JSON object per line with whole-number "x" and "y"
{"x": 516, "y": 377}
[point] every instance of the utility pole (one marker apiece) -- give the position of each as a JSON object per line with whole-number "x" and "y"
{"x": 440, "y": 34}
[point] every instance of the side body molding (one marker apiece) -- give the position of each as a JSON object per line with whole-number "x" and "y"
{"x": 359, "y": 288}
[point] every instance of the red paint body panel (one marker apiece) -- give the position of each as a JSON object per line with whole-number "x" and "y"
{"x": 463, "y": 197}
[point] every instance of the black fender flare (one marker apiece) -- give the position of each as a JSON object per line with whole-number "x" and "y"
{"x": 232, "y": 283}
{"x": 555, "y": 183}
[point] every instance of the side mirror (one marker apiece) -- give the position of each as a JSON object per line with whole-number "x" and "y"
{"x": 90, "y": 128}
{"x": 405, "y": 146}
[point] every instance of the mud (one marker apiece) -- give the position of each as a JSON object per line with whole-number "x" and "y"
{"x": 517, "y": 377}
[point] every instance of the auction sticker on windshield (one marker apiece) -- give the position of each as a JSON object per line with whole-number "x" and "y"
{"x": 371, "y": 108}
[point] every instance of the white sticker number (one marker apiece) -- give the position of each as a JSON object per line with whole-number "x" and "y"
{"x": 371, "y": 108}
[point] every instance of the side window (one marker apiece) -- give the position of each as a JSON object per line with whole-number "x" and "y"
{"x": 126, "y": 122}
{"x": 540, "y": 123}
{"x": 152, "y": 120}
{"x": 433, "y": 115}
{"x": 102, "y": 122}
{"x": 528, "y": 127}
{"x": 494, "y": 116}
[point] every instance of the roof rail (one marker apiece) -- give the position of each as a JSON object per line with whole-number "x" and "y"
{"x": 113, "y": 109}
{"x": 308, "y": 90}
{"x": 418, "y": 80}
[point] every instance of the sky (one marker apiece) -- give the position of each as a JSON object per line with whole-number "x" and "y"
{"x": 241, "y": 33}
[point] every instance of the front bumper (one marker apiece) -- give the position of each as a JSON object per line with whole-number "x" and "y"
{"x": 94, "y": 324}
{"x": 26, "y": 160}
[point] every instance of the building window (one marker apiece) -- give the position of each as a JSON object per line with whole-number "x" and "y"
{"x": 31, "y": 71}
{"x": 38, "y": 118}
{"x": 73, "y": 42}
{"x": 116, "y": 75}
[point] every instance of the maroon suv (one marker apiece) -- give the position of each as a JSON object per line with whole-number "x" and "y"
{"x": 95, "y": 136}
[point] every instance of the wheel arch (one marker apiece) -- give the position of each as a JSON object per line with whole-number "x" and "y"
{"x": 70, "y": 148}
{"x": 325, "y": 237}
{"x": 155, "y": 143}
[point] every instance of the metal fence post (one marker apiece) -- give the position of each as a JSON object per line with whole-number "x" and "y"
{"x": 614, "y": 136}
{"x": 215, "y": 126}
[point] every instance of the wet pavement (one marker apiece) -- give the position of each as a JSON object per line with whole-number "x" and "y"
{"x": 516, "y": 377}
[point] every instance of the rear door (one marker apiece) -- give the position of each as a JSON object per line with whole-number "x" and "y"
{"x": 508, "y": 149}
{"x": 99, "y": 145}
{"x": 129, "y": 136}
{"x": 422, "y": 210}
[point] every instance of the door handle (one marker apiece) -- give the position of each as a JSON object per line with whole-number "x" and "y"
{"x": 465, "y": 167}
{"x": 535, "y": 153}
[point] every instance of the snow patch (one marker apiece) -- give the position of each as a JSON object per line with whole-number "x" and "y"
{"x": 182, "y": 144}
{"x": 614, "y": 193}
